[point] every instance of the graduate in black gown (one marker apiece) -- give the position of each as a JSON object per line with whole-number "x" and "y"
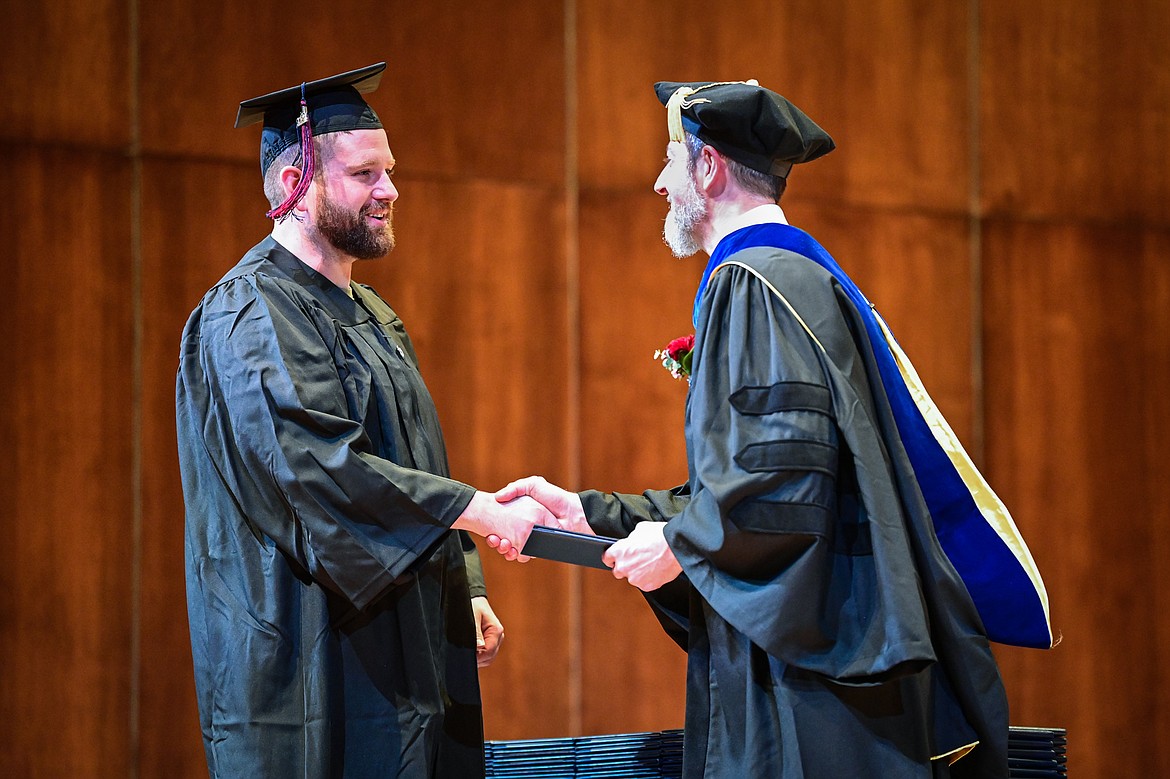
{"x": 828, "y": 634}
{"x": 334, "y": 595}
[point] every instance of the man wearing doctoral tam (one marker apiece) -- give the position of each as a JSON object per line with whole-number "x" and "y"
{"x": 828, "y": 633}
{"x": 333, "y": 593}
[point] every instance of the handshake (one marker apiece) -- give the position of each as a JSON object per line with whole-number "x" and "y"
{"x": 506, "y": 519}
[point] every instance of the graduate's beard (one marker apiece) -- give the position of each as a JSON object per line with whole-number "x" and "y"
{"x": 687, "y": 212}
{"x": 348, "y": 232}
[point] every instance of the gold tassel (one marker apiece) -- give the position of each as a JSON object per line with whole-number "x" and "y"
{"x": 674, "y": 106}
{"x": 678, "y": 101}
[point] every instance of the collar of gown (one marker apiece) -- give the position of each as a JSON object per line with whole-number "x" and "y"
{"x": 769, "y": 213}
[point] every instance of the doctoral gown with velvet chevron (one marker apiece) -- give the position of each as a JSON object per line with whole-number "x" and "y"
{"x": 827, "y": 633}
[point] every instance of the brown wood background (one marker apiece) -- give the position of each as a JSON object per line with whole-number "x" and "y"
{"x": 1001, "y": 191}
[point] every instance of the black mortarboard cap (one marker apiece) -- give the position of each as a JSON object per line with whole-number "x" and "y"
{"x": 750, "y": 124}
{"x": 334, "y": 104}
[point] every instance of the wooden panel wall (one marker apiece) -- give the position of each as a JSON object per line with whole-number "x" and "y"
{"x": 1000, "y": 192}
{"x": 1075, "y": 186}
{"x": 1063, "y": 314}
{"x": 66, "y": 523}
{"x": 68, "y": 557}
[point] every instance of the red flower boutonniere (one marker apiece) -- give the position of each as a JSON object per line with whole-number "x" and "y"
{"x": 677, "y": 356}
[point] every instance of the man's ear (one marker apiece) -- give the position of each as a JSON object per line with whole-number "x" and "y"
{"x": 290, "y": 176}
{"x": 711, "y": 171}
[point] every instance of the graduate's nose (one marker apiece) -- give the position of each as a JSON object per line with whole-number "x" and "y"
{"x": 385, "y": 189}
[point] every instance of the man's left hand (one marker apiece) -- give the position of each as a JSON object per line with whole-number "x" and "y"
{"x": 489, "y": 631}
{"x": 644, "y": 558}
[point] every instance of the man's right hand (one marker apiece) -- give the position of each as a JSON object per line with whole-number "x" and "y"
{"x": 565, "y": 506}
{"x": 511, "y": 522}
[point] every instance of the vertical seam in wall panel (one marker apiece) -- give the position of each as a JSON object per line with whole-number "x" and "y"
{"x": 136, "y": 444}
{"x": 975, "y": 229}
{"x": 573, "y": 308}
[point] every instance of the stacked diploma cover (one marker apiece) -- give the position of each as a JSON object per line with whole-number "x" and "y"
{"x": 1033, "y": 753}
{"x": 1036, "y": 753}
{"x": 633, "y": 755}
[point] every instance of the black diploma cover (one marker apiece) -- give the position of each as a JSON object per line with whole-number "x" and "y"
{"x": 564, "y": 546}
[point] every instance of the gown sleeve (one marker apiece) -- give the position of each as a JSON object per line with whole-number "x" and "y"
{"x": 776, "y": 536}
{"x": 615, "y": 514}
{"x": 475, "y": 580}
{"x": 277, "y": 429}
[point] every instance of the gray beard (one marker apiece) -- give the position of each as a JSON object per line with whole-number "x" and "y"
{"x": 680, "y": 232}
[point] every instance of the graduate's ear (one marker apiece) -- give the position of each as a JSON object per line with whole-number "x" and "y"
{"x": 290, "y": 176}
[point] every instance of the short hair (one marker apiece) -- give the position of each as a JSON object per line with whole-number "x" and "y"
{"x": 273, "y": 189}
{"x": 763, "y": 184}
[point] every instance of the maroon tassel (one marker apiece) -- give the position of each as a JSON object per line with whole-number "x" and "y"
{"x": 308, "y": 167}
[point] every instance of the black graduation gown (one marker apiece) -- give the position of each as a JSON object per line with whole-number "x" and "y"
{"x": 329, "y": 602}
{"x": 827, "y": 633}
